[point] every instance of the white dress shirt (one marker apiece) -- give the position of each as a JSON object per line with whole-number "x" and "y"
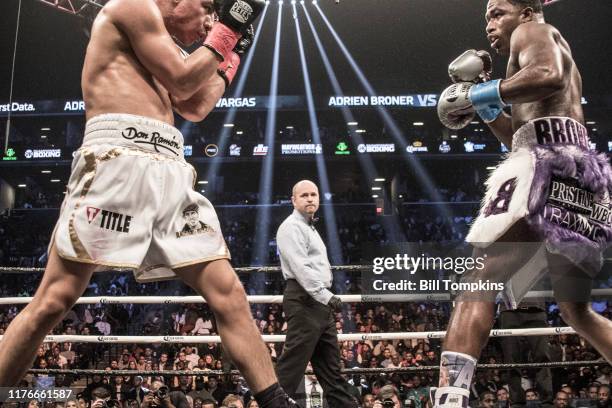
{"x": 303, "y": 256}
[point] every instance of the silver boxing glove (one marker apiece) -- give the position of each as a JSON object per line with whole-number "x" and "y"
{"x": 455, "y": 109}
{"x": 471, "y": 66}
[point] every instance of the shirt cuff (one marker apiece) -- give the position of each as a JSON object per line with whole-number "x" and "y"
{"x": 323, "y": 296}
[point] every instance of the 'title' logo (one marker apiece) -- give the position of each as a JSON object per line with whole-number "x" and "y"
{"x": 92, "y": 212}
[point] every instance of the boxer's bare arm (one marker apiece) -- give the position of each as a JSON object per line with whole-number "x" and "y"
{"x": 199, "y": 105}
{"x": 540, "y": 59}
{"x": 142, "y": 22}
{"x": 502, "y": 129}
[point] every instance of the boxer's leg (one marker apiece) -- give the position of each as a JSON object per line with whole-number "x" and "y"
{"x": 62, "y": 284}
{"x": 473, "y": 315}
{"x": 572, "y": 288}
{"x": 217, "y": 282}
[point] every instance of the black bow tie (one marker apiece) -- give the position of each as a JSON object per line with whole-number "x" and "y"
{"x": 312, "y": 221}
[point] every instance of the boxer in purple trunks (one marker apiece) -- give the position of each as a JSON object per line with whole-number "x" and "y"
{"x": 551, "y": 189}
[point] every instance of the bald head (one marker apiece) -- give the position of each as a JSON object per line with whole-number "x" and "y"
{"x": 303, "y": 184}
{"x": 305, "y": 197}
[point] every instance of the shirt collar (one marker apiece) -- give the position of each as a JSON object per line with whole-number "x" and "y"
{"x": 306, "y": 219}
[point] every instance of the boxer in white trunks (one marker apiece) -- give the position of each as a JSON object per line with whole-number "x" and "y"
{"x": 551, "y": 189}
{"x": 130, "y": 201}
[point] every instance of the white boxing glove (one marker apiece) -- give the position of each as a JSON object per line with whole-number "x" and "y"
{"x": 455, "y": 109}
{"x": 471, "y": 66}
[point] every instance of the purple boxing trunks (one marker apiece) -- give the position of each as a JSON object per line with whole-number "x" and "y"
{"x": 559, "y": 185}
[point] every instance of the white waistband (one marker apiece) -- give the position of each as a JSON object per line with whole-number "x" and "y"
{"x": 551, "y": 130}
{"x": 134, "y": 131}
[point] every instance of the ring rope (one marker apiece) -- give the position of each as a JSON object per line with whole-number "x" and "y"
{"x": 240, "y": 269}
{"x": 270, "y": 299}
{"x": 280, "y": 338}
{"x": 132, "y": 373}
{"x": 244, "y": 269}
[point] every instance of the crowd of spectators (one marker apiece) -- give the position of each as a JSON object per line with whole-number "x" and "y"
{"x": 25, "y": 234}
{"x": 578, "y": 383}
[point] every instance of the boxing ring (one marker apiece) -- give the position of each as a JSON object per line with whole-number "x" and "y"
{"x": 277, "y": 299}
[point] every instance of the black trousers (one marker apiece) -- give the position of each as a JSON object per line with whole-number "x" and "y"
{"x": 311, "y": 336}
{"x": 538, "y": 349}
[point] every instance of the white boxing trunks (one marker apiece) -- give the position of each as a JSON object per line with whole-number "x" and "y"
{"x": 556, "y": 183}
{"x": 130, "y": 202}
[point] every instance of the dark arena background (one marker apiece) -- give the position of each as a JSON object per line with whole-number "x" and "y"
{"x": 340, "y": 92}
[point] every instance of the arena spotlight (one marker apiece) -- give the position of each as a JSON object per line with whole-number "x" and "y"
{"x": 423, "y": 178}
{"x": 231, "y": 113}
{"x": 365, "y": 160}
{"x": 390, "y": 223}
{"x": 335, "y": 250}
{"x": 262, "y": 230}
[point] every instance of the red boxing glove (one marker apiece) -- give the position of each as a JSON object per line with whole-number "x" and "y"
{"x": 228, "y": 68}
{"x": 221, "y": 40}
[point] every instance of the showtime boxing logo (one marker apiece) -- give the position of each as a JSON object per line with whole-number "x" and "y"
{"x": 501, "y": 333}
{"x": 171, "y": 339}
{"x": 241, "y": 11}
{"x": 43, "y": 154}
{"x": 104, "y": 301}
{"x": 104, "y": 339}
{"x": 562, "y": 330}
{"x": 376, "y": 148}
{"x": 371, "y": 337}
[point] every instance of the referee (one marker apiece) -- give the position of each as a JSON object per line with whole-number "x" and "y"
{"x": 308, "y": 304}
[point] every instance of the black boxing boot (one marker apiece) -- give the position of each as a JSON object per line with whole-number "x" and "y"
{"x": 275, "y": 397}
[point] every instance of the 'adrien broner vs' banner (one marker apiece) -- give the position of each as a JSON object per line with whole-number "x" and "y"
{"x": 256, "y": 103}
{"x": 252, "y": 103}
